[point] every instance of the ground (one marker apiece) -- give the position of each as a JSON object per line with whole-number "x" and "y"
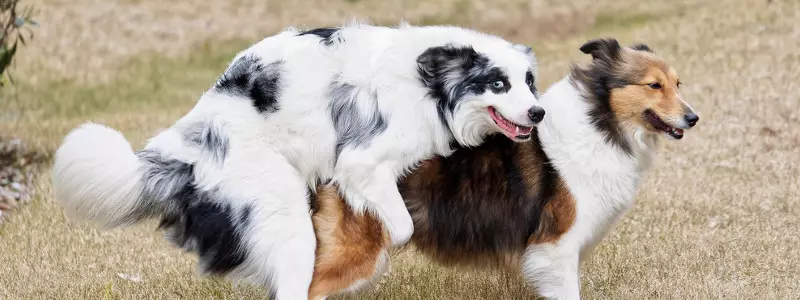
{"x": 718, "y": 216}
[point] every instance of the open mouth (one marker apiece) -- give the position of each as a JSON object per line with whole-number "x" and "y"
{"x": 662, "y": 126}
{"x": 510, "y": 129}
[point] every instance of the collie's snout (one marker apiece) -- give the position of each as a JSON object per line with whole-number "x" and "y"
{"x": 691, "y": 118}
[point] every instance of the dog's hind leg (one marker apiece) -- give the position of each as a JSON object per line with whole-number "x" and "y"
{"x": 279, "y": 237}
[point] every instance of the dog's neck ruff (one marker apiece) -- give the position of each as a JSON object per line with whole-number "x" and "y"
{"x": 602, "y": 177}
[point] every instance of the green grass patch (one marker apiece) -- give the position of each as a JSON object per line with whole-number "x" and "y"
{"x": 148, "y": 92}
{"x": 146, "y": 83}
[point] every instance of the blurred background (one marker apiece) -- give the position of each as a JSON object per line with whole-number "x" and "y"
{"x": 718, "y": 216}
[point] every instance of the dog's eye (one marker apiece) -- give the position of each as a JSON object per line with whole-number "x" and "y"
{"x": 498, "y": 84}
{"x": 654, "y": 85}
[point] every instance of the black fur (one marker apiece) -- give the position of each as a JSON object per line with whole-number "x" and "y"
{"x": 162, "y": 180}
{"x": 641, "y": 47}
{"x": 210, "y": 137}
{"x": 460, "y": 67}
{"x": 599, "y": 78}
{"x": 328, "y": 35}
{"x": 476, "y": 201}
{"x": 354, "y": 127}
{"x": 248, "y": 77}
{"x": 531, "y": 81}
{"x": 205, "y": 225}
{"x": 193, "y": 218}
{"x": 607, "y": 50}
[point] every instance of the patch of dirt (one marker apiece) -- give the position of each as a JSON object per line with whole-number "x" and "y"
{"x": 18, "y": 167}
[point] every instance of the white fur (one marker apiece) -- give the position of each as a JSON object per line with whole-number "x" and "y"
{"x": 273, "y": 157}
{"x": 601, "y": 177}
{"x": 87, "y": 188}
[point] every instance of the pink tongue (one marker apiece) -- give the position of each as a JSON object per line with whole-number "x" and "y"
{"x": 509, "y": 129}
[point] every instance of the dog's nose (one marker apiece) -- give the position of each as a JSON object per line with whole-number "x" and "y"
{"x": 536, "y": 114}
{"x": 691, "y": 118}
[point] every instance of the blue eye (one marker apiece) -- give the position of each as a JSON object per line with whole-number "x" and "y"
{"x": 655, "y": 85}
{"x": 498, "y": 84}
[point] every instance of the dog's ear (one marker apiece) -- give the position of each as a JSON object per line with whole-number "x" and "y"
{"x": 641, "y": 47}
{"x": 606, "y": 49}
{"x": 435, "y": 59}
{"x": 523, "y": 48}
{"x": 439, "y": 60}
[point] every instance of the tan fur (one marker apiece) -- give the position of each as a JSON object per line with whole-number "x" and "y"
{"x": 629, "y": 102}
{"x": 558, "y": 213}
{"x": 557, "y": 216}
{"x": 349, "y": 245}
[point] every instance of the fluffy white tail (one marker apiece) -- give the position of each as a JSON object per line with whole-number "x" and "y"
{"x": 97, "y": 176}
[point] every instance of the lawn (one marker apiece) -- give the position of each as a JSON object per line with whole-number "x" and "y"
{"x": 717, "y": 218}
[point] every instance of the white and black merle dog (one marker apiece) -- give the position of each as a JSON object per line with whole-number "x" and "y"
{"x": 356, "y": 106}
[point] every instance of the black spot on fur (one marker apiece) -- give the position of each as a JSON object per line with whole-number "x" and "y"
{"x": 354, "y": 126}
{"x": 210, "y": 137}
{"x": 599, "y": 78}
{"x": 162, "y": 179}
{"x": 641, "y": 47}
{"x": 327, "y": 35}
{"x": 530, "y": 80}
{"x": 248, "y": 77}
{"x": 476, "y": 204}
{"x": 312, "y": 200}
{"x": 452, "y": 72}
{"x": 195, "y": 220}
{"x": 209, "y": 227}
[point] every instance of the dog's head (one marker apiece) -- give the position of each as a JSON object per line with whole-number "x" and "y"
{"x": 633, "y": 90}
{"x": 483, "y": 89}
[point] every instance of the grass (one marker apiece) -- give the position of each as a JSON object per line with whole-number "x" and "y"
{"x": 716, "y": 218}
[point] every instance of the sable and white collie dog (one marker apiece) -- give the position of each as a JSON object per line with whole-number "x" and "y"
{"x": 356, "y": 106}
{"x": 537, "y": 208}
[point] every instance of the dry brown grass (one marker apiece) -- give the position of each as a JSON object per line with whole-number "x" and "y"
{"x": 717, "y": 218}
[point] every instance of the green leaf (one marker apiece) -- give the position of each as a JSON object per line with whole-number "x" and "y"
{"x": 5, "y": 60}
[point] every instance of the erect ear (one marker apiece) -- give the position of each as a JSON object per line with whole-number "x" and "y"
{"x": 606, "y": 49}
{"x": 641, "y": 47}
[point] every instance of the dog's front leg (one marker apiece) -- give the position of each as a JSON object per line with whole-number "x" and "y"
{"x": 391, "y": 208}
{"x": 553, "y": 270}
{"x": 373, "y": 186}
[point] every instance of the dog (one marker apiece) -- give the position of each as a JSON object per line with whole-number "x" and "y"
{"x": 356, "y": 106}
{"x": 537, "y": 208}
